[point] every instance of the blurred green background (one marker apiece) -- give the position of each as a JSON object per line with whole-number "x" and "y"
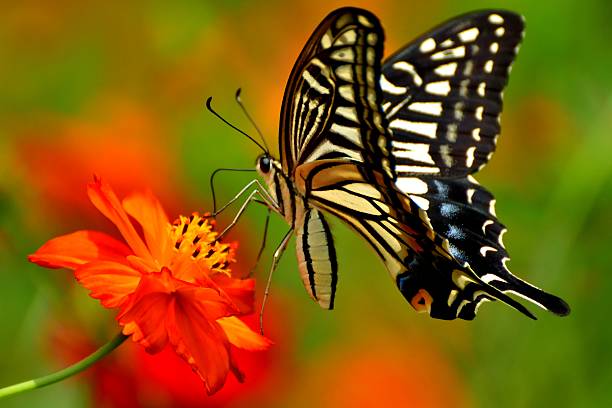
{"x": 119, "y": 88}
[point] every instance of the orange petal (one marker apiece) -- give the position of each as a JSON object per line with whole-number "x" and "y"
{"x": 242, "y": 336}
{"x": 205, "y": 301}
{"x": 148, "y": 212}
{"x": 201, "y": 342}
{"x": 110, "y": 282}
{"x": 185, "y": 268}
{"x": 105, "y": 200}
{"x": 144, "y": 315}
{"x": 72, "y": 250}
{"x": 240, "y": 291}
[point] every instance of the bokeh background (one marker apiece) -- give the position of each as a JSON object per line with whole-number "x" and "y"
{"x": 118, "y": 88}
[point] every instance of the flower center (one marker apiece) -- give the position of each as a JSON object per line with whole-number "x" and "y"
{"x": 195, "y": 235}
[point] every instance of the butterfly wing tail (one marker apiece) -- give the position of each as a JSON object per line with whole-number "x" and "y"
{"x": 533, "y": 294}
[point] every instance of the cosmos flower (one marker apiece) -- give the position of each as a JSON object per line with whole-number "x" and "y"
{"x": 172, "y": 283}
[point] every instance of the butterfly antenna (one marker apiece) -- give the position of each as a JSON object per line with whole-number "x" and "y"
{"x": 239, "y": 101}
{"x": 209, "y": 107}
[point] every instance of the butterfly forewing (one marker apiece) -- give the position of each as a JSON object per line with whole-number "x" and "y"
{"x": 443, "y": 93}
{"x": 331, "y": 107}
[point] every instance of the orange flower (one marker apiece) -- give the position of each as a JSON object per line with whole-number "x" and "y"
{"x": 172, "y": 287}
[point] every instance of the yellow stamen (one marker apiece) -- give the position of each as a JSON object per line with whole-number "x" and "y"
{"x": 195, "y": 235}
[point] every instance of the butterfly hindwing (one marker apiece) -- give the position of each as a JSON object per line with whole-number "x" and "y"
{"x": 443, "y": 93}
{"x": 418, "y": 259}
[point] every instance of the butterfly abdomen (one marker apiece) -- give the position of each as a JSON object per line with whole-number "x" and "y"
{"x": 317, "y": 257}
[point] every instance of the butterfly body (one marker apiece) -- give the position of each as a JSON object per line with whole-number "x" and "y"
{"x": 390, "y": 148}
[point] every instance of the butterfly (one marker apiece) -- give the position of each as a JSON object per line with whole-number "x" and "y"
{"x": 390, "y": 147}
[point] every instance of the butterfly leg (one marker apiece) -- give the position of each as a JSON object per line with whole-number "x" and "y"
{"x": 251, "y": 198}
{"x": 275, "y": 259}
{"x": 263, "y": 241}
{"x": 259, "y": 188}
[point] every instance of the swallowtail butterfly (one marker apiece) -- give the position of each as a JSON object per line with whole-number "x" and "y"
{"x": 391, "y": 148}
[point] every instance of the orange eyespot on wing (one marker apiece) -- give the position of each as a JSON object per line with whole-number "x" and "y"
{"x": 422, "y": 301}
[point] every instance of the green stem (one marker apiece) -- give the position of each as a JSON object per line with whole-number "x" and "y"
{"x": 66, "y": 372}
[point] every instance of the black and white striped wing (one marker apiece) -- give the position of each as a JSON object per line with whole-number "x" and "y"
{"x": 463, "y": 212}
{"x": 331, "y": 107}
{"x": 443, "y": 101}
{"x": 418, "y": 259}
{"x": 443, "y": 93}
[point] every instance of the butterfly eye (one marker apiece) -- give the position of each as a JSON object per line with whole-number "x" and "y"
{"x": 264, "y": 164}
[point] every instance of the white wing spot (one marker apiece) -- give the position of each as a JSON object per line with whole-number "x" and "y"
{"x": 496, "y": 19}
{"x": 492, "y": 208}
{"x": 485, "y": 225}
{"x": 372, "y": 38}
{"x": 428, "y": 45}
{"x": 452, "y": 296}
{"x": 426, "y": 129}
{"x": 370, "y": 56}
{"x": 441, "y": 88}
{"x": 415, "y": 151}
{"x": 346, "y": 91}
{"x": 422, "y": 202}
{"x": 463, "y": 87}
{"x": 458, "y": 111}
{"x": 476, "y": 134}
{"x": 364, "y": 21}
{"x": 445, "y": 152}
{"x": 389, "y": 87}
{"x": 314, "y": 83}
{"x": 494, "y": 47}
{"x": 458, "y": 52}
{"x": 500, "y": 239}
{"x": 481, "y": 89}
{"x": 489, "y": 277}
{"x": 478, "y": 113}
{"x": 348, "y": 37}
{"x": 470, "y": 195}
{"x": 451, "y": 132}
{"x": 469, "y": 35}
{"x": 411, "y": 185}
{"x": 469, "y": 159}
{"x": 446, "y": 70}
{"x": 345, "y": 72}
{"x": 406, "y": 67}
{"x": 347, "y": 112}
{"x": 485, "y": 249}
{"x": 416, "y": 169}
{"x": 488, "y": 66}
{"x": 429, "y": 108}
{"x": 447, "y": 43}
{"x": 348, "y": 132}
{"x": 343, "y": 54}
{"x": 326, "y": 40}
{"x": 500, "y": 31}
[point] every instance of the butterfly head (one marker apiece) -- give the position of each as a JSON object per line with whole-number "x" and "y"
{"x": 264, "y": 164}
{"x": 268, "y": 168}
